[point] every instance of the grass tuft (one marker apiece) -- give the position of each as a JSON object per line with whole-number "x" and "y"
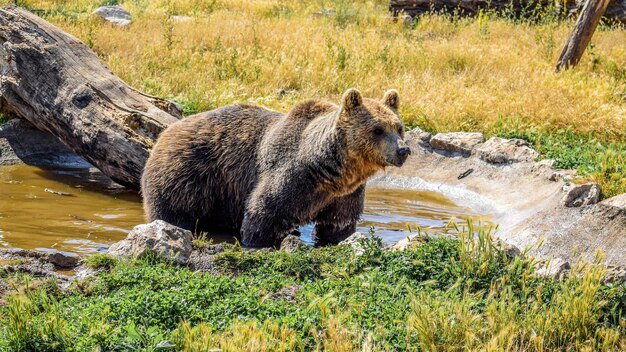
{"x": 100, "y": 261}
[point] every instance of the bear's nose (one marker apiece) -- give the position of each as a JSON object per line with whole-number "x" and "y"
{"x": 404, "y": 151}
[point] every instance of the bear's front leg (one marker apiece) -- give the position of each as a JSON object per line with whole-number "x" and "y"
{"x": 337, "y": 221}
{"x": 272, "y": 211}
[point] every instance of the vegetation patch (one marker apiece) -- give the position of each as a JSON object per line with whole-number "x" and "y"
{"x": 100, "y": 261}
{"x": 599, "y": 158}
{"x": 446, "y": 294}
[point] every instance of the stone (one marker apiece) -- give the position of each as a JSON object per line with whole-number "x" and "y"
{"x": 457, "y": 142}
{"x": 323, "y": 13}
{"x": 554, "y": 268}
{"x": 291, "y": 244}
{"x": 116, "y": 15}
{"x": 618, "y": 201}
{"x": 408, "y": 20}
{"x": 157, "y": 237}
{"x": 510, "y": 250}
{"x": 546, "y": 163}
{"x": 503, "y": 151}
{"x": 83, "y": 272}
{"x": 614, "y": 274}
{"x": 581, "y": 195}
{"x": 287, "y": 293}
{"x": 355, "y": 241}
{"x": 63, "y": 260}
{"x": 59, "y": 259}
{"x": 38, "y": 263}
{"x": 202, "y": 262}
{"x": 419, "y": 137}
{"x": 562, "y": 174}
{"x": 410, "y": 241}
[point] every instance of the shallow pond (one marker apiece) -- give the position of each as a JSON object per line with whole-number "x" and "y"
{"x": 80, "y": 210}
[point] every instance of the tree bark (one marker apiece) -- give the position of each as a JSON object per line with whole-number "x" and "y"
{"x": 54, "y": 81}
{"x": 581, "y": 35}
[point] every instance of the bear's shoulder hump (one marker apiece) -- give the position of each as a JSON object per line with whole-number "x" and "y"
{"x": 311, "y": 109}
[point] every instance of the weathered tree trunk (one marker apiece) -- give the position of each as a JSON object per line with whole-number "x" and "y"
{"x": 581, "y": 35}
{"x": 470, "y": 8}
{"x": 51, "y": 79}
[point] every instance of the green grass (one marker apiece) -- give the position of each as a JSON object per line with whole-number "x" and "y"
{"x": 447, "y": 294}
{"x": 100, "y": 261}
{"x": 3, "y": 119}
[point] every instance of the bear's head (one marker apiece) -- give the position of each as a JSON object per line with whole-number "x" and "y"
{"x": 373, "y": 129}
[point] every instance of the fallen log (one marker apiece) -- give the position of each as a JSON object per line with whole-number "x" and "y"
{"x": 615, "y": 12}
{"x": 58, "y": 84}
{"x": 469, "y": 8}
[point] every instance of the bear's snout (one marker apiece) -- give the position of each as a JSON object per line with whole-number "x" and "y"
{"x": 401, "y": 155}
{"x": 404, "y": 152}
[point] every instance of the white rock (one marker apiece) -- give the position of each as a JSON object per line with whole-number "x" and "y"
{"x": 618, "y": 201}
{"x": 157, "y": 237}
{"x": 499, "y": 151}
{"x": 581, "y": 195}
{"x": 418, "y": 137}
{"x": 291, "y": 244}
{"x": 457, "y": 142}
{"x": 355, "y": 241}
{"x": 116, "y": 15}
{"x": 561, "y": 174}
{"x": 554, "y": 268}
{"x": 408, "y": 242}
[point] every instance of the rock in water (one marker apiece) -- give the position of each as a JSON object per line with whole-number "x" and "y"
{"x": 157, "y": 237}
{"x": 116, "y": 15}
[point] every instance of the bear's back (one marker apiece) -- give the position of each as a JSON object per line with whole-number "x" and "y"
{"x": 207, "y": 163}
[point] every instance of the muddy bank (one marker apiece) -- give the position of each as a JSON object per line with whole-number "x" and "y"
{"x": 530, "y": 201}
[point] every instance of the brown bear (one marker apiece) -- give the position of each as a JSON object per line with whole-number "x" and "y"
{"x": 261, "y": 173}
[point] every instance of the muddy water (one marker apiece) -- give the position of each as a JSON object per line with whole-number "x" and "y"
{"x": 86, "y": 213}
{"x": 79, "y": 210}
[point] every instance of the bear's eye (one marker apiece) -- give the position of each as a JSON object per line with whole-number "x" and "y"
{"x": 400, "y": 129}
{"x": 378, "y": 131}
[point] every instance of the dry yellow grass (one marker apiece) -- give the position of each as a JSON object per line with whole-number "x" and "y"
{"x": 485, "y": 74}
{"x": 463, "y": 75}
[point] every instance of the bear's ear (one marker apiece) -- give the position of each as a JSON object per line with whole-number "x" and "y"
{"x": 392, "y": 99}
{"x": 351, "y": 99}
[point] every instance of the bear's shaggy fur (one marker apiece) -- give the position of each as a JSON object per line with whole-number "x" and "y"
{"x": 262, "y": 173}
